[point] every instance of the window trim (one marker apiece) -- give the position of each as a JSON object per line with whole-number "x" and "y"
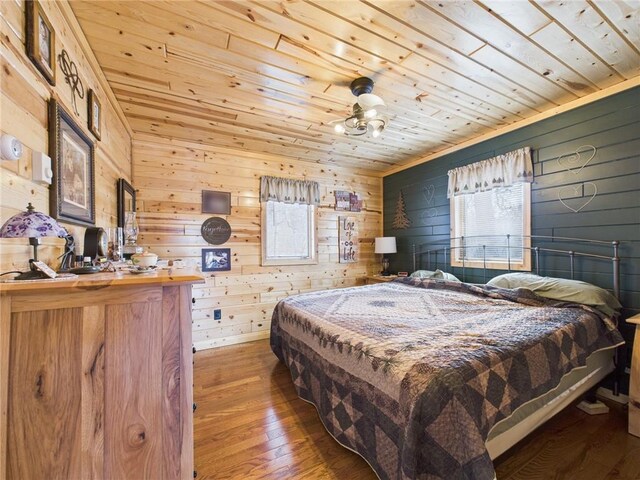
{"x": 313, "y": 231}
{"x": 525, "y": 265}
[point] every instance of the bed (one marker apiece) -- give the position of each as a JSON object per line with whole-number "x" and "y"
{"x": 430, "y": 378}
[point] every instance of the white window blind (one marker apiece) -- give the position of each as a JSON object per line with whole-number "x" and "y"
{"x": 288, "y": 233}
{"x": 483, "y": 215}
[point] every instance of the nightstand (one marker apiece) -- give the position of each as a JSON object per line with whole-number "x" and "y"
{"x": 371, "y": 279}
{"x": 634, "y": 387}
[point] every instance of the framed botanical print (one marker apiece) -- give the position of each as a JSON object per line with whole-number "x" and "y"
{"x": 72, "y": 197}
{"x": 41, "y": 44}
{"x": 94, "y": 114}
{"x": 216, "y": 259}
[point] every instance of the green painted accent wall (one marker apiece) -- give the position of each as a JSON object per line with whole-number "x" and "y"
{"x": 612, "y": 125}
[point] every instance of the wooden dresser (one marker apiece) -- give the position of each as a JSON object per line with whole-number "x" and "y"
{"x": 96, "y": 377}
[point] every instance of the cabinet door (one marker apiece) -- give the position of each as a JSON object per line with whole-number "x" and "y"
{"x": 133, "y": 412}
{"x": 55, "y": 385}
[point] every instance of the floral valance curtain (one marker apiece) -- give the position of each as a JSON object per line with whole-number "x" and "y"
{"x": 500, "y": 171}
{"x": 289, "y": 191}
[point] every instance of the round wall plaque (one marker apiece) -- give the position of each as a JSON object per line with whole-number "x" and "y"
{"x": 216, "y": 230}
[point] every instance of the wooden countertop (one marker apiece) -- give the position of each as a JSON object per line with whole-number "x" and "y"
{"x": 635, "y": 319}
{"x": 100, "y": 280}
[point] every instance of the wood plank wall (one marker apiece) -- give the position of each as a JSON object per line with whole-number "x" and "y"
{"x": 169, "y": 177}
{"x": 23, "y": 114}
{"x": 612, "y": 126}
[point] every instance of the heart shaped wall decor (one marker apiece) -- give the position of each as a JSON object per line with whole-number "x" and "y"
{"x": 566, "y": 194}
{"x": 574, "y": 162}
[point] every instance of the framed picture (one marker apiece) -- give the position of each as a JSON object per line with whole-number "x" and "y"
{"x": 94, "y": 114}
{"x": 72, "y": 196}
{"x": 41, "y": 44}
{"x": 343, "y": 200}
{"x": 216, "y": 259}
{"x": 126, "y": 200}
{"x": 216, "y": 202}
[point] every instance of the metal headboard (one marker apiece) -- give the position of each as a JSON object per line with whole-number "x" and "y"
{"x": 443, "y": 249}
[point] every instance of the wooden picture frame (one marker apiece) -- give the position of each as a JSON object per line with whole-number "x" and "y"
{"x": 126, "y": 200}
{"x": 41, "y": 41}
{"x": 94, "y": 114}
{"x": 216, "y": 259}
{"x": 216, "y": 202}
{"x": 72, "y": 196}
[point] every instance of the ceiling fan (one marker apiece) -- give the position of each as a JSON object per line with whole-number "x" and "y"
{"x": 366, "y": 116}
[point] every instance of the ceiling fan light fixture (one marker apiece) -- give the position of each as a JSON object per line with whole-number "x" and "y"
{"x": 365, "y": 116}
{"x": 376, "y": 127}
{"x": 369, "y": 101}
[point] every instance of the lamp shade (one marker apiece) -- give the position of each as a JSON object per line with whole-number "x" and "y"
{"x": 385, "y": 245}
{"x": 31, "y": 224}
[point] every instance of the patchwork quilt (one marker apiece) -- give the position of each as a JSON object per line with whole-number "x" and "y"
{"x": 412, "y": 374}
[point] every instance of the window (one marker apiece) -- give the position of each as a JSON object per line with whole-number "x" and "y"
{"x": 491, "y": 212}
{"x": 288, "y": 233}
{"x": 289, "y": 221}
{"x": 484, "y": 219}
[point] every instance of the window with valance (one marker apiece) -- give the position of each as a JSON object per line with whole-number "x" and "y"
{"x": 289, "y": 221}
{"x": 490, "y": 200}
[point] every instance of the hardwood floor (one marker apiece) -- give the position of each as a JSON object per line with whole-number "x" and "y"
{"x": 250, "y": 424}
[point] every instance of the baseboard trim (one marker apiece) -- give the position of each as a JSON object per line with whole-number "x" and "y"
{"x": 231, "y": 340}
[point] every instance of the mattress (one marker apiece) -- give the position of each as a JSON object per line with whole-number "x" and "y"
{"x": 534, "y": 413}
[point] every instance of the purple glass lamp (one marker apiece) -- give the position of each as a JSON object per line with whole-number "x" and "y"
{"x": 32, "y": 225}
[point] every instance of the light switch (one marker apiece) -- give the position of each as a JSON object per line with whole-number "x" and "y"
{"x": 41, "y": 166}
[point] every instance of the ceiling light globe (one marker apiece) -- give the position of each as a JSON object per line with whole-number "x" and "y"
{"x": 375, "y": 133}
{"x": 339, "y": 128}
{"x": 371, "y": 113}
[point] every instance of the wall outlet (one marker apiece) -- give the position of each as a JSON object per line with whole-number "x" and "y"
{"x": 217, "y": 314}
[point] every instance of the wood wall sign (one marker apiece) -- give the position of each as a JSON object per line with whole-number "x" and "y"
{"x": 347, "y": 201}
{"x": 343, "y": 201}
{"x": 216, "y": 230}
{"x": 348, "y": 239}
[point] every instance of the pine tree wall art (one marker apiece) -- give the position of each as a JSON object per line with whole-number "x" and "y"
{"x": 401, "y": 220}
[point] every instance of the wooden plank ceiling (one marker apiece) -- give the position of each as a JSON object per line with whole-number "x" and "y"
{"x": 267, "y": 76}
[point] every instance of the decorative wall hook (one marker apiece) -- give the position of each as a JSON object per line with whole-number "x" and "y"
{"x": 71, "y": 77}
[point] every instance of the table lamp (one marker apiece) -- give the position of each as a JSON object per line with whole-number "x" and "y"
{"x": 385, "y": 245}
{"x": 32, "y": 225}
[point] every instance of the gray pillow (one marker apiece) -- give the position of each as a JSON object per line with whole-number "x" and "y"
{"x": 445, "y": 276}
{"x": 423, "y": 274}
{"x": 438, "y": 274}
{"x": 561, "y": 289}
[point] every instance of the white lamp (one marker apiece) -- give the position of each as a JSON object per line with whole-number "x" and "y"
{"x": 385, "y": 245}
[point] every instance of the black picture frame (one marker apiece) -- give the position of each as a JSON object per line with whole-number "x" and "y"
{"x": 41, "y": 41}
{"x": 72, "y": 195}
{"x": 216, "y": 202}
{"x": 126, "y": 198}
{"x": 216, "y": 259}
{"x": 94, "y": 114}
